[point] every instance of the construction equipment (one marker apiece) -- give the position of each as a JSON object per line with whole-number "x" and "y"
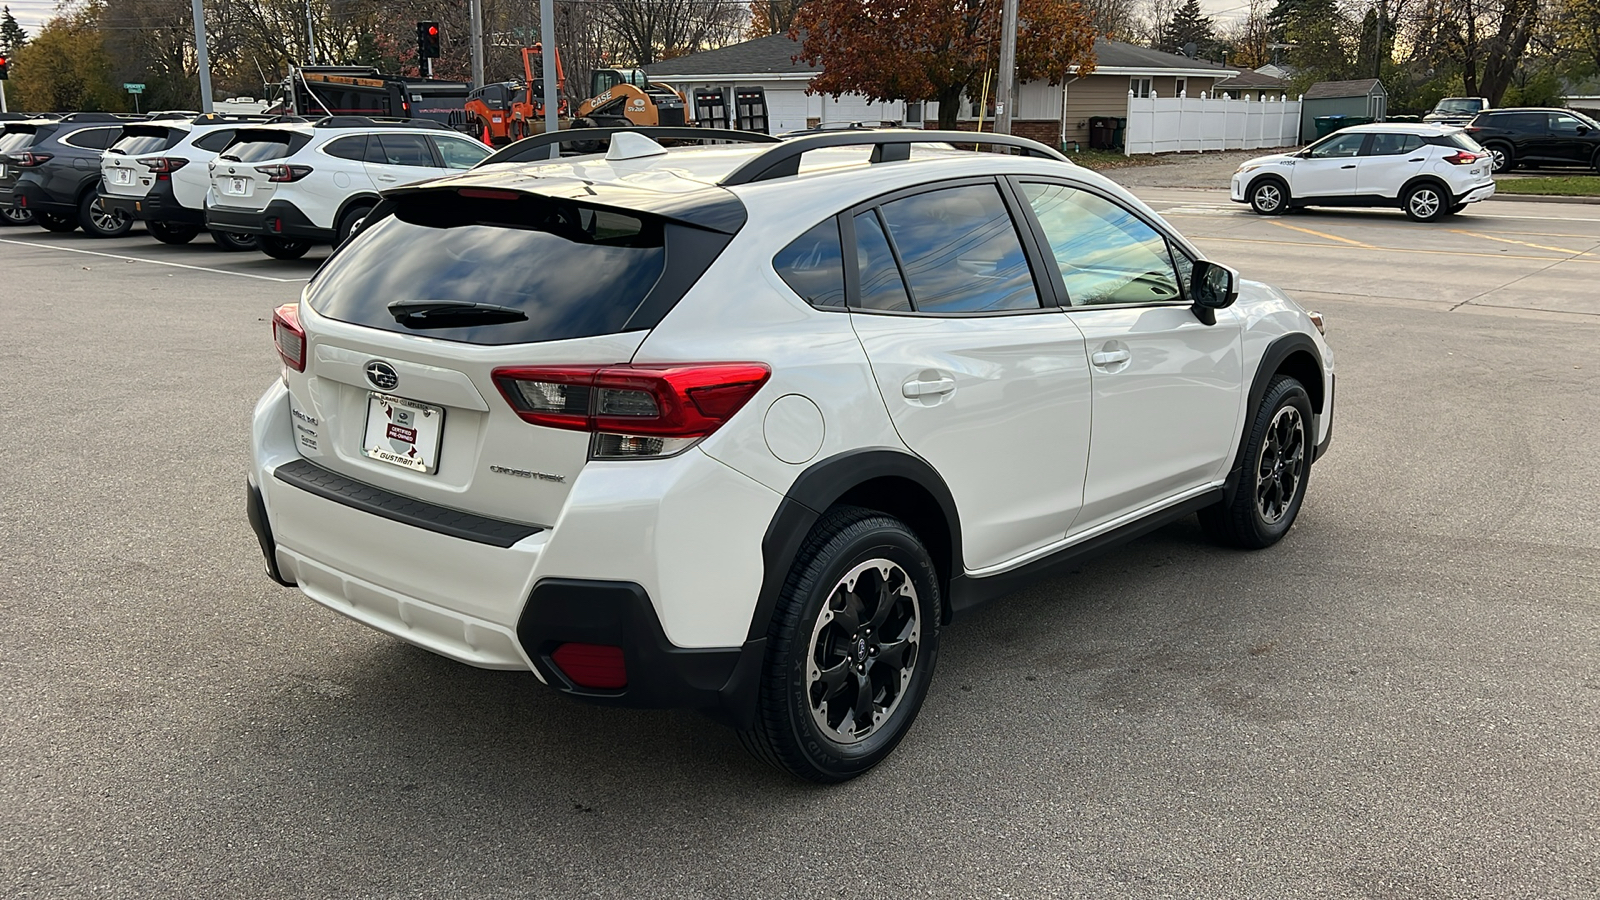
{"x": 318, "y": 91}
{"x": 619, "y": 97}
{"x": 511, "y": 110}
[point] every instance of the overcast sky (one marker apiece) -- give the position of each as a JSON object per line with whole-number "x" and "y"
{"x": 30, "y": 14}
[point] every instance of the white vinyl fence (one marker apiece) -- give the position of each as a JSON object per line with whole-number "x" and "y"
{"x": 1171, "y": 124}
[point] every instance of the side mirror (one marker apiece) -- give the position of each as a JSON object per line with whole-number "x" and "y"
{"x": 1214, "y": 286}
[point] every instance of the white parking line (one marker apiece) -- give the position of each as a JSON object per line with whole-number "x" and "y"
{"x": 153, "y": 262}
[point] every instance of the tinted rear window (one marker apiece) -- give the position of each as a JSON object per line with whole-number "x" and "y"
{"x": 146, "y": 140}
{"x": 573, "y": 270}
{"x": 15, "y": 141}
{"x": 254, "y": 146}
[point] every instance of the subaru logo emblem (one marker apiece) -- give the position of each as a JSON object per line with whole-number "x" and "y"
{"x": 382, "y": 375}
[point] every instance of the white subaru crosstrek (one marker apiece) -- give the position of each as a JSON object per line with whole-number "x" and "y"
{"x": 156, "y": 172}
{"x": 1429, "y": 171}
{"x": 297, "y": 184}
{"x": 711, "y": 428}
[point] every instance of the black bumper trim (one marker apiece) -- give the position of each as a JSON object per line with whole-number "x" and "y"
{"x": 32, "y": 196}
{"x": 115, "y": 203}
{"x": 314, "y": 479}
{"x": 257, "y": 513}
{"x": 717, "y": 681}
{"x": 292, "y": 223}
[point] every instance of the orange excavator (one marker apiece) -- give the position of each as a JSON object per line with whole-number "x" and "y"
{"x": 512, "y": 110}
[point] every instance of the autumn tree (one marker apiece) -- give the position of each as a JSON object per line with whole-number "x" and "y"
{"x": 937, "y": 49}
{"x": 65, "y": 67}
{"x": 769, "y": 17}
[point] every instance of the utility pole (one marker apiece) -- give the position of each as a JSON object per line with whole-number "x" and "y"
{"x": 311, "y": 39}
{"x": 1377, "y": 52}
{"x": 1008, "y": 67}
{"x": 547, "y": 40}
{"x": 203, "y": 56}
{"x": 476, "y": 8}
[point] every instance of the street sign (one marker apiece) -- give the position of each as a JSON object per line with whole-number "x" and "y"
{"x": 133, "y": 88}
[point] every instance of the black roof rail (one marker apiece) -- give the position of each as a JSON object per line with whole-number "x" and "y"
{"x": 532, "y": 149}
{"x": 894, "y": 145}
{"x": 373, "y": 122}
{"x": 172, "y": 114}
{"x": 99, "y": 117}
{"x": 216, "y": 118}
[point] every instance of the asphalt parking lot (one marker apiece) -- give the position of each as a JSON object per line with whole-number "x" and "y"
{"x": 1399, "y": 700}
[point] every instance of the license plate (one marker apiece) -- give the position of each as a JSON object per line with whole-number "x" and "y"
{"x": 121, "y": 176}
{"x": 403, "y": 432}
{"x": 237, "y": 186}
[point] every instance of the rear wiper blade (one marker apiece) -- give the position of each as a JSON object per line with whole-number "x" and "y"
{"x": 229, "y": 157}
{"x": 443, "y": 313}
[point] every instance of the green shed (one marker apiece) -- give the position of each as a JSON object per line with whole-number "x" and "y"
{"x": 1364, "y": 98}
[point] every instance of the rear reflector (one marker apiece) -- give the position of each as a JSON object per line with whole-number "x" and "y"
{"x": 592, "y": 665}
{"x": 289, "y": 336}
{"x": 638, "y": 411}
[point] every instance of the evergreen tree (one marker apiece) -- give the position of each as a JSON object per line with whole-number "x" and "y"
{"x": 1316, "y": 29}
{"x": 1188, "y": 26}
{"x": 12, "y": 36}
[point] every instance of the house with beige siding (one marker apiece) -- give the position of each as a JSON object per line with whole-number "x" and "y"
{"x": 1051, "y": 114}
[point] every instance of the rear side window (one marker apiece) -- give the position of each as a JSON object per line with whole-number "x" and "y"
{"x": 352, "y": 147}
{"x": 960, "y": 252}
{"x": 216, "y": 140}
{"x": 1528, "y": 122}
{"x": 813, "y": 265}
{"x": 881, "y": 287}
{"x": 1393, "y": 144}
{"x": 460, "y": 154}
{"x": 92, "y": 138}
{"x": 400, "y": 150}
{"x": 572, "y": 270}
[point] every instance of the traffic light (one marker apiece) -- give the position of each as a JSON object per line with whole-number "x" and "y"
{"x": 5, "y": 66}
{"x": 428, "y": 40}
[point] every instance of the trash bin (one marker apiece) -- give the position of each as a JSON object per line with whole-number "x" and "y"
{"x": 1100, "y": 132}
{"x": 1356, "y": 120}
{"x": 1118, "y": 133}
{"x": 1327, "y": 125}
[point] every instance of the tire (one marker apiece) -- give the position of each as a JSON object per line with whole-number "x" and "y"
{"x": 821, "y": 628}
{"x": 233, "y": 240}
{"x": 1502, "y": 158}
{"x": 55, "y": 221}
{"x": 1269, "y": 197}
{"x": 1426, "y": 202}
{"x": 1277, "y": 454}
{"x": 98, "y": 222}
{"x": 11, "y": 215}
{"x": 582, "y": 147}
{"x": 282, "y": 248}
{"x": 171, "y": 234}
{"x": 347, "y": 222}
{"x": 1594, "y": 164}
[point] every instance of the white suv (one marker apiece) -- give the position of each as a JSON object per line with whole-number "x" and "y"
{"x": 1430, "y": 171}
{"x": 156, "y": 172}
{"x": 709, "y": 428}
{"x": 297, "y": 184}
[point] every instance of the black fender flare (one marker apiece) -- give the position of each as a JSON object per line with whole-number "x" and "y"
{"x": 1279, "y": 350}
{"x": 365, "y": 198}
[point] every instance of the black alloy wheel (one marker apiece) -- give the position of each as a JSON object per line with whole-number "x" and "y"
{"x": 1275, "y": 468}
{"x": 851, "y": 648}
{"x": 233, "y": 240}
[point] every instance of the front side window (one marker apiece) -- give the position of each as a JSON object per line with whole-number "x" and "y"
{"x": 459, "y": 154}
{"x": 1563, "y": 124}
{"x": 1106, "y": 254}
{"x": 960, "y": 251}
{"x": 400, "y": 150}
{"x": 813, "y": 265}
{"x": 1337, "y": 146}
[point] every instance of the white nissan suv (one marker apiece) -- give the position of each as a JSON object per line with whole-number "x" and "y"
{"x": 1429, "y": 171}
{"x": 742, "y": 428}
{"x": 297, "y": 184}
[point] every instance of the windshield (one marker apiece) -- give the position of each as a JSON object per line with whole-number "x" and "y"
{"x": 1459, "y": 104}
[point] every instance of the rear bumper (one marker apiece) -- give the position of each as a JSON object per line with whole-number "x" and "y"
{"x": 29, "y": 195}
{"x": 1479, "y": 192}
{"x": 158, "y": 205}
{"x": 280, "y": 219}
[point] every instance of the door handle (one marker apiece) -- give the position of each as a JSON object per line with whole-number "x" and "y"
{"x": 1417, "y": 159}
{"x": 387, "y": 178}
{"x": 1110, "y": 357}
{"x": 1351, "y": 166}
{"x": 913, "y": 390}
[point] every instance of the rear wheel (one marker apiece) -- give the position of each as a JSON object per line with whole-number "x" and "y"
{"x": 55, "y": 221}
{"x": 233, "y": 240}
{"x": 851, "y": 648}
{"x": 11, "y": 215}
{"x": 1269, "y": 197}
{"x": 1426, "y": 203}
{"x": 171, "y": 234}
{"x": 99, "y": 221}
{"x": 348, "y": 222}
{"x": 282, "y": 248}
{"x": 1500, "y": 156}
{"x": 1277, "y": 466}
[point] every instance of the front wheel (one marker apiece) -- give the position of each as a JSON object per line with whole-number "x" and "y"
{"x": 1269, "y": 197}
{"x": 282, "y": 248}
{"x": 851, "y": 648}
{"x": 1426, "y": 203}
{"x": 171, "y": 234}
{"x": 99, "y": 221}
{"x": 1273, "y": 478}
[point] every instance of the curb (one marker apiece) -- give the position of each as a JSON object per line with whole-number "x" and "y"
{"x": 1547, "y": 198}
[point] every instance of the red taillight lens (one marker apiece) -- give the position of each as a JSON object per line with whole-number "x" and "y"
{"x": 289, "y": 336}
{"x": 31, "y": 160}
{"x": 1461, "y": 158}
{"x": 164, "y": 166}
{"x": 637, "y": 411}
{"x": 281, "y": 173}
{"x": 1472, "y": 129}
{"x": 592, "y": 665}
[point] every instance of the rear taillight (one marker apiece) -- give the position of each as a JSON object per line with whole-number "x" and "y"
{"x": 1461, "y": 158}
{"x": 164, "y": 166}
{"x": 281, "y": 173}
{"x": 1472, "y": 129}
{"x": 31, "y": 160}
{"x": 599, "y": 666}
{"x": 289, "y": 336}
{"x": 634, "y": 412}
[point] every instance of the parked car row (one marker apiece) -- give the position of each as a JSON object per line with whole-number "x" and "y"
{"x": 280, "y": 185}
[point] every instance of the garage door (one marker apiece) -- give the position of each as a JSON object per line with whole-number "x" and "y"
{"x": 786, "y": 109}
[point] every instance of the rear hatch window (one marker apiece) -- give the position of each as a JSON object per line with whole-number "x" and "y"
{"x": 16, "y": 139}
{"x": 254, "y": 145}
{"x": 537, "y": 268}
{"x": 138, "y": 139}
